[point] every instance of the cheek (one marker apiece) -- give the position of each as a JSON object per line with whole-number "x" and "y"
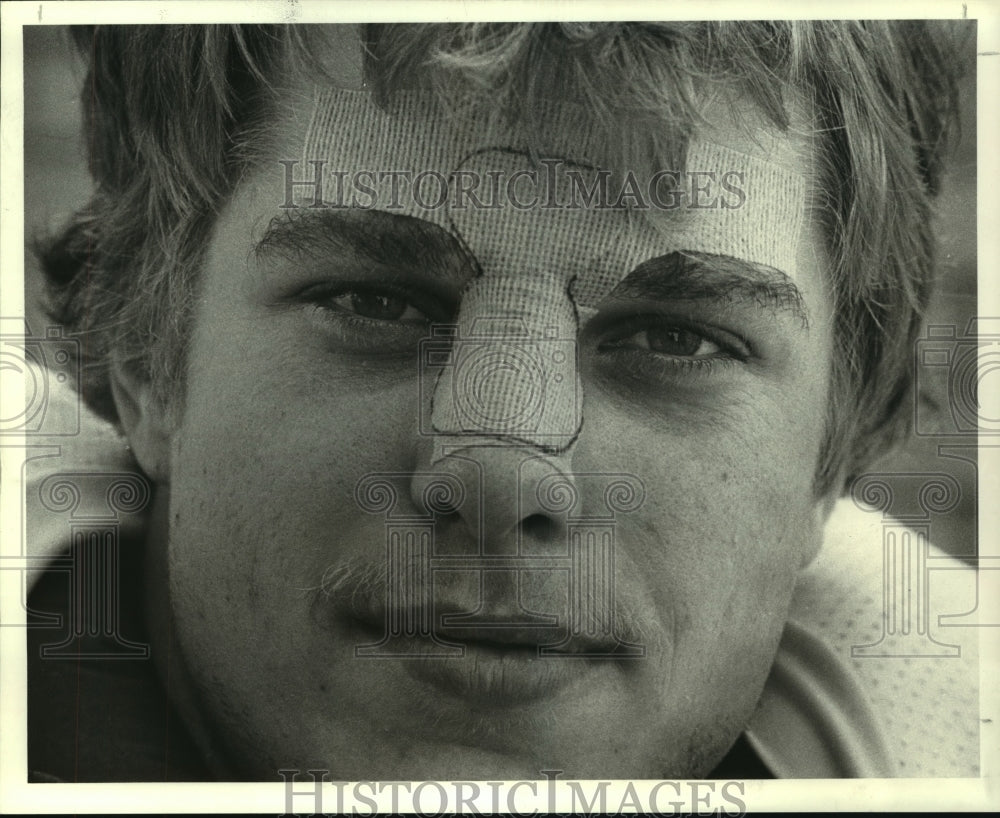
{"x": 716, "y": 548}
{"x": 263, "y": 476}
{"x": 724, "y": 551}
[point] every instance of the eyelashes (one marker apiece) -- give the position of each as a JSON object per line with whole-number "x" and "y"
{"x": 667, "y": 337}
{"x": 380, "y": 301}
{"x": 374, "y": 306}
{"x": 651, "y": 347}
{"x": 664, "y": 345}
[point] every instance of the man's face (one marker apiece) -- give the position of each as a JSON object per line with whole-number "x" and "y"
{"x": 304, "y": 379}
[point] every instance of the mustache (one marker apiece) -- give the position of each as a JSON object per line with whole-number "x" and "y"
{"x": 359, "y": 587}
{"x": 354, "y": 582}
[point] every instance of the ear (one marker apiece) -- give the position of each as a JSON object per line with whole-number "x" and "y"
{"x": 144, "y": 420}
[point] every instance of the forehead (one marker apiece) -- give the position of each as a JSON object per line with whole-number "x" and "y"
{"x": 762, "y": 218}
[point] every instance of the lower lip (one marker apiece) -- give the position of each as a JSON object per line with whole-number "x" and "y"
{"x": 500, "y": 677}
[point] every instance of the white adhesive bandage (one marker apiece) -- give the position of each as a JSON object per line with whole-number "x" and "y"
{"x": 549, "y": 241}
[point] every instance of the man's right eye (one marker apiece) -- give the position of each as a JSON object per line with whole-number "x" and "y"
{"x": 377, "y": 318}
{"x": 375, "y": 306}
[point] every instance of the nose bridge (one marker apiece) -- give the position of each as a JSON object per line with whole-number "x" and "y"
{"x": 512, "y": 371}
{"x": 507, "y": 404}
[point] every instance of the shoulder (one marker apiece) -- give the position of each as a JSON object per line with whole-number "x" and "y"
{"x": 898, "y": 615}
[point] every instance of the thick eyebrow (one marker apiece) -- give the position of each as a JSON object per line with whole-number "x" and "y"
{"x": 703, "y": 276}
{"x": 380, "y": 238}
{"x": 399, "y": 241}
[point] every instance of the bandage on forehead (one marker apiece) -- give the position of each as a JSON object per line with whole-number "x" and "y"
{"x": 549, "y": 246}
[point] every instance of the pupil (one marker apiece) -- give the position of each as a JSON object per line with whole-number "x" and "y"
{"x": 673, "y": 341}
{"x": 371, "y": 305}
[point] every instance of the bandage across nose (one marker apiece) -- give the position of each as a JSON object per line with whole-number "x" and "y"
{"x": 512, "y": 372}
{"x": 546, "y": 254}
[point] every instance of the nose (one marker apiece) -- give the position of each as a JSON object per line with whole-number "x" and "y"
{"x": 512, "y": 496}
{"x": 506, "y": 411}
{"x": 512, "y": 369}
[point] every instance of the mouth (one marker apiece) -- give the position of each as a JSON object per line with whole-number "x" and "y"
{"x": 494, "y": 663}
{"x": 474, "y": 644}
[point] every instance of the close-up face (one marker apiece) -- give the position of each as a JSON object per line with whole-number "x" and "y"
{"x": 310, "y": 389}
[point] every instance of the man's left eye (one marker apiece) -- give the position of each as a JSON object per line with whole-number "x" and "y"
{"x": 674, "y": 341}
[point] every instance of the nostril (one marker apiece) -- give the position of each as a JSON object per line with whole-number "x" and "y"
{"x": 540, "y": 527}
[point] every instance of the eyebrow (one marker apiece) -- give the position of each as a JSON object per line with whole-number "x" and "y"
{"x": 681, "y": 276}
{"x": 396, "y": 240}
{"x": 389, "y": 239}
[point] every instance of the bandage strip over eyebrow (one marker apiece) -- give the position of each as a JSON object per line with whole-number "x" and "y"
{"x": 541, "y": 266}
{"x": 350, "y": 132}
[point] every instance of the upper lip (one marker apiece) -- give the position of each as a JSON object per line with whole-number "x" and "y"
{"x": 484, "y": 613}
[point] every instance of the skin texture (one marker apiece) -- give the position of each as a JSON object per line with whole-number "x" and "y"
{"x": 292, "y": 397}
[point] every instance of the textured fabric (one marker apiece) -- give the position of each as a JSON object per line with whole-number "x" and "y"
{"x": 814, "y": 719}
{"x": 348, "y": 133}
{"x": 927, "y": 705}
